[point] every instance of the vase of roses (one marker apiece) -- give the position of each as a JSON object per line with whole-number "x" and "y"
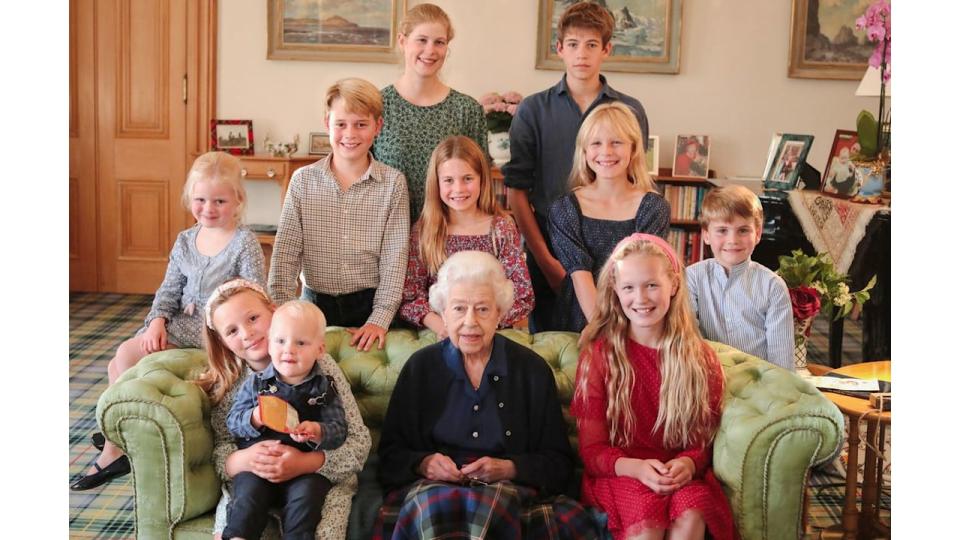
{"x": 499, "y": 110}
{"x": 814, "y": 285}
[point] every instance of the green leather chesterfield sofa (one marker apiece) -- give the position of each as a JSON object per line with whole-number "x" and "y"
{"x": 775, "y": 426}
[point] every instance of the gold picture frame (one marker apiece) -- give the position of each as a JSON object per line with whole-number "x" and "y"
{"x": 815, "y": 55}
{"x": 301, "y": 30}
{"x": 654, "y": 48}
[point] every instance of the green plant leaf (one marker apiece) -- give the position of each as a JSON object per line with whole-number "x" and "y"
{"x": 867, "y": 128}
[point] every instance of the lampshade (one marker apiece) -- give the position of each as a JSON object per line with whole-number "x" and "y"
{"x": 870, "y": 84}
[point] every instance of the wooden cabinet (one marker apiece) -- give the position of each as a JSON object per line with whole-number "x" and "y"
{"x": 265, "y": 167}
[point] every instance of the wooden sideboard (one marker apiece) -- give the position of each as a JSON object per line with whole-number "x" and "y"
{"x": 265, "y": 167}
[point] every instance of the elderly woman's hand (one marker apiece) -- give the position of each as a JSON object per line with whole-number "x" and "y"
{"x": 489, "y": 470}
{"x": 441, "y": 468}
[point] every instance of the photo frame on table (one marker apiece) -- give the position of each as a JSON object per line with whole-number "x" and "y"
{"x": 653, "y": 155}
{"x": 791, "y": 153}
{"x": 647, "y": 40}
{"x": 826, "y": 44}
{"x": 839, "y": 177}
{"x": 319, "y": 144}
{"x": 691, "y": 156}
{"x": 232, "y": 136}
{"x": 343, "y": 31}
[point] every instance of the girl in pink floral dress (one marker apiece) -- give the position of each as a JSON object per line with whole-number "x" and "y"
{"x": 460, "y": 213}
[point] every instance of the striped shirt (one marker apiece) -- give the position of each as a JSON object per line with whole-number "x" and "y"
{"x": 749, "y": 310}
{"x": 344, "y": 241}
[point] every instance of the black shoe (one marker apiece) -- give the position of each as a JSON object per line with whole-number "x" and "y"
{"x": 118, "y": 468}
{"x": 98, "y": 440}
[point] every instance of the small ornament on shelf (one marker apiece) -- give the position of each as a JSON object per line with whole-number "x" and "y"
{"x": 279, "y": 149}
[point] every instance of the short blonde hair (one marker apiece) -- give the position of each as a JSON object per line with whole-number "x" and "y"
{"x": 301, "y": 309}
{"x": 217, "y": 167}
{"x": 727, "y": 202}
{"x": 477, "y": 267}
{"x": 359, "y": 97}
{"x": 425, "y": 13}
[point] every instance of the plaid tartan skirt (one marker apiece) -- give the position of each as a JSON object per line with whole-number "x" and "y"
{"x": 502, "y": 510}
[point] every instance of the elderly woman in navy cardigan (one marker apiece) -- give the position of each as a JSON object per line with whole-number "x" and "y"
{"x": 474, "y": 442}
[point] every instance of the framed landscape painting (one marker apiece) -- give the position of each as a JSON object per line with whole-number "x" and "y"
{"x": 646, "y": 38}
{"x": 825, "y": 42}
{"x": 340, "y": 31}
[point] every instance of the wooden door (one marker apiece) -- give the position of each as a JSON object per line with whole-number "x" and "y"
{"x": 141, "y": 70}
{"x": 82, "y": 121}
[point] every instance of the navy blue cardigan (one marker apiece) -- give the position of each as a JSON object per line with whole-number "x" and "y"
{"x": 537, "y": 444}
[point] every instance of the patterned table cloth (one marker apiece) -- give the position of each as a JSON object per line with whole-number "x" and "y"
{"x": 833, "y": 226}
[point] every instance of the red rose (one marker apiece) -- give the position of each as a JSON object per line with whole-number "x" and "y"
{"x": 806, "y": 302}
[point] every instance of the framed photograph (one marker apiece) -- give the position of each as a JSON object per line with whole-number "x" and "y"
{"x": 791, "y": 153}
{"x": 319, "y": 144}
{"x": 233, "y": 136}
{"x": 691, "y": 156}
{"x": 771, "y": 153}
{"x": 341, "y": 31}
{"x": 825, "y": 42}
{"x": 646, "y": 38}
{"x": 839, "y": 177}
{"x": 653, "y": 155}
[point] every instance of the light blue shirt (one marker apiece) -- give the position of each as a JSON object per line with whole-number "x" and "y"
{"x": 749, "y": 310}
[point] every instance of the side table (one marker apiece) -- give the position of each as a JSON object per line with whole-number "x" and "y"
{"x": 865, "y": 523}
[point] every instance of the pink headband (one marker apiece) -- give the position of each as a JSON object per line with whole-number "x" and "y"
{"x": 653, "y": 239}
{"x": 238, "y": 283}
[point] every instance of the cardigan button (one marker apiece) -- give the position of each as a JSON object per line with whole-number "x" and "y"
{"x": 475, "y": 434}
{"x": 508, "y": 433}
{"x": 496, "y": 378}
{"x": 500, "y": 404}
{"x": 476, "y": 407}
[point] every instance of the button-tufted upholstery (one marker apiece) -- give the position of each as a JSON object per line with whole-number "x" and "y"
{"x": 774, "y": 427}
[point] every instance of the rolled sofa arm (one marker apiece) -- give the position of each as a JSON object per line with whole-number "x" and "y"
{"x": 161, "y": 420}
{"x": 775, "y": 426}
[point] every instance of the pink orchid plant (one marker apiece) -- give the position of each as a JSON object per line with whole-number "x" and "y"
{"x": 499, "y": 110}
{"x": 876, "y": 21}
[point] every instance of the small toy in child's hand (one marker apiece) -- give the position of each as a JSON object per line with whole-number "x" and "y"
{"x": 277, "y": 414}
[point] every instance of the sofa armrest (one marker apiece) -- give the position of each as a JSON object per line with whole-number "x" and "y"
{"x": 161, "y": 420}
{"x": 775, "y": 426}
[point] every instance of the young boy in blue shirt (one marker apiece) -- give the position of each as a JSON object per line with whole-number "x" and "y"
{"x": 737, "y": 301}
{"x": 543, "y": 137}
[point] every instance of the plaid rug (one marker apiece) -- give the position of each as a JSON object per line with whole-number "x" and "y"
{"x": 100, "y": 322}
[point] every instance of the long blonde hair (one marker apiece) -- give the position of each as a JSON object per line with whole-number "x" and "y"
{"x": 435, "y": 216}
{"x": 684, "y": 412}
{"x": 622, "y": 120}
{"x": 223, "y": 369}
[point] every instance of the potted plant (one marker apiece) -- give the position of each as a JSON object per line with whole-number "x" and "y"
{"x": 872, "y": 162}
{"x": 499, "y": 110}
{"x": 815, "y": 284}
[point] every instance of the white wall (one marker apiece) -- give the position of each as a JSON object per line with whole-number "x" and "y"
{"x": 732, "y": 84}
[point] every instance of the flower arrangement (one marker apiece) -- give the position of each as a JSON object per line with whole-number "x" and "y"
{"x": 813, "y": 283}
{"x": 870, "y": 132}
{"x": 499, "y": 110}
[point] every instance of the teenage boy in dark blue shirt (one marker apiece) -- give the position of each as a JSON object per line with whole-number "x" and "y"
{"x": 543, "y": 137}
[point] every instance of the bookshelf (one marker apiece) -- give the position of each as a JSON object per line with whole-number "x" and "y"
{"x": 685, "y": 196}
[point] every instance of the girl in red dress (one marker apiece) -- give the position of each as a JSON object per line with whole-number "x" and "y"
{"x": 648, "y": 398}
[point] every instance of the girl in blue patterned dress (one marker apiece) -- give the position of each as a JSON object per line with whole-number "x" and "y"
{"x": 218, "y": 247}
{"x": 612, "y": 197}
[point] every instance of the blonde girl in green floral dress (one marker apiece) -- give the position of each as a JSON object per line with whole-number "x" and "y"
{"x": 419, "y": 110}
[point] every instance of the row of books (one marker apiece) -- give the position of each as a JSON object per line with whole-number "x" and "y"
{"x": 684, "y": 201}
{"x": 687, "y": 242}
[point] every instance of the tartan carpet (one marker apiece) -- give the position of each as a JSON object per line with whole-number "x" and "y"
{"x": 99, "y": 322}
